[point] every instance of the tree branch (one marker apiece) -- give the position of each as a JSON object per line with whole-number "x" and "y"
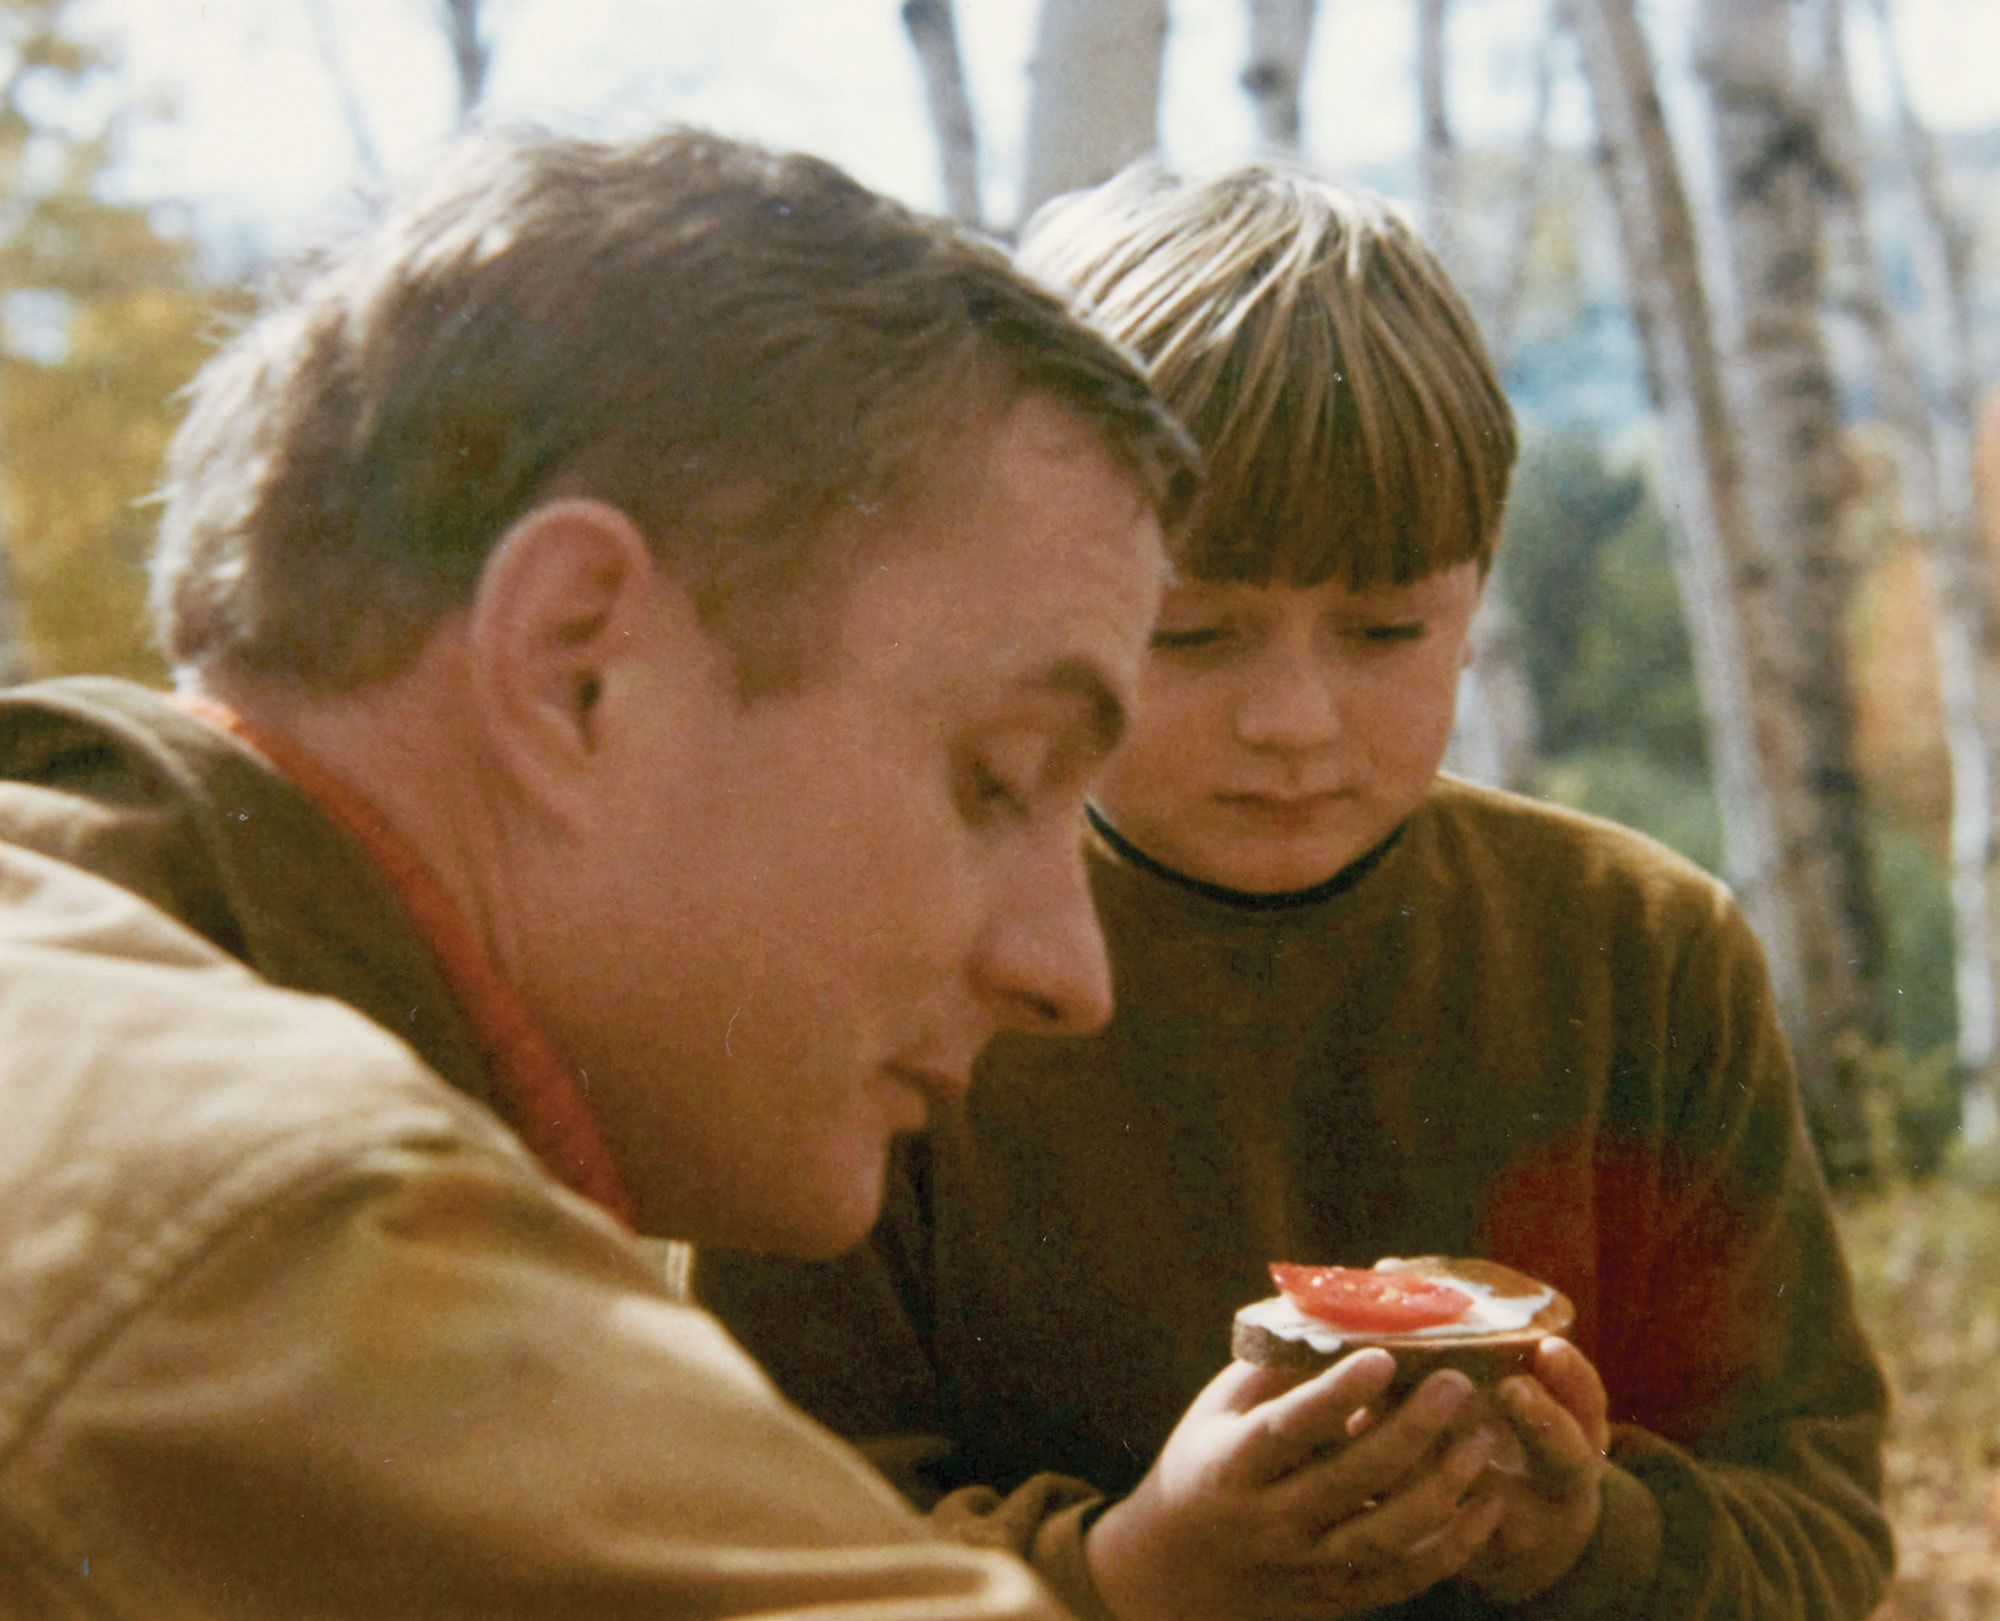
{"x": 346, "y": 93}
{"x": 933, "y": 29}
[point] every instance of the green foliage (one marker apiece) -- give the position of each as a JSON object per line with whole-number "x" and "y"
{"x": 1588, "y": 574}
{"x": 104, "y": 318}
{"x": 1914, "y": 888}
{"x": 1912, "y": 1103}
{"x": 1629, "y": 783}
{"x": 1588, "y": 577}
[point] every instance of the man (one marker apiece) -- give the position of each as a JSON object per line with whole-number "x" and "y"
{"x": 647, "y": 616}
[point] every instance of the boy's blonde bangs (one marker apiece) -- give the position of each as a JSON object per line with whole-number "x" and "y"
{"x": 1347, "y": 412}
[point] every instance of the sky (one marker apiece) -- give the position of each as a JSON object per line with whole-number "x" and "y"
{"x": 259, "y": 146}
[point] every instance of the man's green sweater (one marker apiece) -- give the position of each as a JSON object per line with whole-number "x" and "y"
{"x": 1517, "y": 1032}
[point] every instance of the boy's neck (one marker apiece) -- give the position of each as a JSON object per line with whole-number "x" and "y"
{"x": 1248, "y": 900}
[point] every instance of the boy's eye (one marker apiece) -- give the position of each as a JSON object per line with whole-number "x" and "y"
{"x": 1407, "y": 632}
{"x": 1181, "y": 641}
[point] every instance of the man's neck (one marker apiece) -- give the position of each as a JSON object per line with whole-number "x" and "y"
{"x": 389, "y": 767}
{"x": 406, "y": 748}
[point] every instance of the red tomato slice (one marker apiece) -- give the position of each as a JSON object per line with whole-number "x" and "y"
{"x": 1353, "y": 1297}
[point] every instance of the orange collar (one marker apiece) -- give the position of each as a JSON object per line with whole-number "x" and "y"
{"x": 537, "y": 1092}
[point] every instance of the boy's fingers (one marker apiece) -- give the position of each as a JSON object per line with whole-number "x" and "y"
{"x": 1390, "y": 1453}
{"x": 1242, "y": 1386}
{"x": 1416, "y": 1511}
{"x": 1422, "y": 1534}
{"x": 1460, "y": 1542}
{"x": 1561, "y": 1457}
{"x": 1573, "y": 1380}
{"x": 1288, "y": 1429}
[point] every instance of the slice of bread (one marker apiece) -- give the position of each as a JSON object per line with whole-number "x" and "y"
{"x": 1276, "y": 1333}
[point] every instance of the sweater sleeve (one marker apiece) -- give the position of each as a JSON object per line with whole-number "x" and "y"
{"x": 848, "y": 1340}
{"x": 1747, "y": 1479}
{"x": 424, "y": 1383}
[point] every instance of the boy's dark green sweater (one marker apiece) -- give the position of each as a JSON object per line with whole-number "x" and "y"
{"x": 1524, "y": 1034}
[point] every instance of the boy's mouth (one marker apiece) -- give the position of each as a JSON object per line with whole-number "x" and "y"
{"x": 1289, "y": 811}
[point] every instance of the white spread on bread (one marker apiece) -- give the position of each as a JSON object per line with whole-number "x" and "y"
{"x": 1489, "y": 1313}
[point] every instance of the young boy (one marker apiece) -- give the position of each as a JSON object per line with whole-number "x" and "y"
{"x": 1363, "y": 1010}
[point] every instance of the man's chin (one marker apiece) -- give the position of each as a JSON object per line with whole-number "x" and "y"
{"x": 824, "y": 1237}
{"x": 803, "y": 1219}
{"x": 816, "y": 1221}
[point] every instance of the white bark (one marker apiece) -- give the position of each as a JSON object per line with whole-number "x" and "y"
{"x": 1939, "y": 443}
{"x": 1494, "y": 741}
{"x": 471, "y": 55}
{"x": 1280, "y": 39}
{"x": 1094, "y": 93}
{"x": 1735, "y": 620}
{"x": 1502, "y": 316}
{"x": 1436, "y": 151}
{"x": 346, "y": 94}
{"x": 933, "y": 29}
{"x": 1767, "y": 150}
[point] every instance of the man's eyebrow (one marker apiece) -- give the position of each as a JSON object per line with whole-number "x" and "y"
{"x": 1080, "y": 680}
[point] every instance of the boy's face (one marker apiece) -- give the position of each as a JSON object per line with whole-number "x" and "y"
{"x": 1283, "y": 731}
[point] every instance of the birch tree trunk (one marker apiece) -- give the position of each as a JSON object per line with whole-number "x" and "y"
{"x": 1494, "y": 739}
{"x": 933, "y": 29}
{"x": 471, "y": 55}
{"x": 1280, "y": 38}
{"x": 1735, "y": 620}
{"x": 1093, "y": 95}
{"x": 1495, "y": 736}
{"x": 346, "y": 94}
{"x": 1767, "y": 148}
{"x": 1941, "y": 505}
{"x": 1436, "y": 151}
{"x": 1502, "y": 315}
{"x": 1962, "y": 589}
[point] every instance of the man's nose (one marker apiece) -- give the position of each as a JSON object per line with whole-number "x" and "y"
{"x": 1043, "y": 963}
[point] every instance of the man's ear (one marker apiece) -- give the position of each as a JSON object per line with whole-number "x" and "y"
{"x": 568, "y": 600}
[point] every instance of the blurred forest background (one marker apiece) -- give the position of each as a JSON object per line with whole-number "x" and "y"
{"x": 1735, "y": 258}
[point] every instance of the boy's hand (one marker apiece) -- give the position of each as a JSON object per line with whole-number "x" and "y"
{"x": 1270, "y": 1500}
{"x": 1552, "y": 1510}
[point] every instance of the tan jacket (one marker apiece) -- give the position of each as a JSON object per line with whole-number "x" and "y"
{"x": 289, "y": 1327}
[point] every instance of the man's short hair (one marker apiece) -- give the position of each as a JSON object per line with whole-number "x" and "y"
{"x": 733, "y": 346}
{"x": 1348, "y": 415}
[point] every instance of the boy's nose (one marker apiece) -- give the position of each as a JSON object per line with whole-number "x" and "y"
{"x": 1290, "y": 704}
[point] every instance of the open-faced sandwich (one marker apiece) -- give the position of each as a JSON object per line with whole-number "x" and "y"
{"x": 1429, "y": 1312}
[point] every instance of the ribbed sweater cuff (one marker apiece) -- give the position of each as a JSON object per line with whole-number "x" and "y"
{"x": 1058, "y": 1557}
{"x": 1617, "y": 1565}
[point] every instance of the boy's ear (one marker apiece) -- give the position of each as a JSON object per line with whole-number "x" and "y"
{"x": 566, "y": 602}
